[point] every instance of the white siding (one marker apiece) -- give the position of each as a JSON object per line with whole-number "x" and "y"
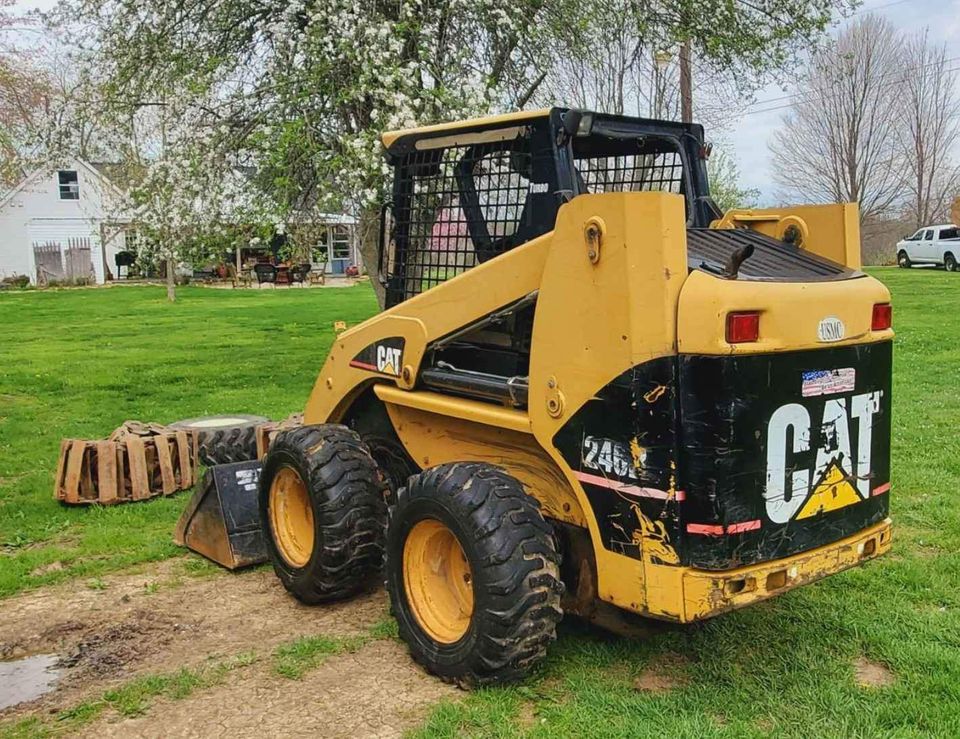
{"x": 36, "y": 213}
{"x": 15, "y": 256}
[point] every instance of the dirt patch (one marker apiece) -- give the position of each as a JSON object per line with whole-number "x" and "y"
{"x": 107, "y": 652}
{"x": 376, "y": 692}
{"x": 46, "y": 569}
{"x": 870, "y": 674}
{"x": 527, "y": 715}
{"x": 667, "y": 673}
{"x": 160, "y": 620}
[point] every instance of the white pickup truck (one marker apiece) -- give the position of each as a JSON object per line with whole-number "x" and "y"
{"x": 931, "y": 245}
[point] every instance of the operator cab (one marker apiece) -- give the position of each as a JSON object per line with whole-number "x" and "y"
{"x": 464, "y": 193}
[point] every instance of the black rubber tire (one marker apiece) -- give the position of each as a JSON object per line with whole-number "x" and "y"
{"x": 227, "y": 443}
{"x": 514, "y": 566}
{"x": 393, "y": 461}
{"x": 949, "y": 262}
{"x": 903, "y": 261}
{"x": 346, "y": 491}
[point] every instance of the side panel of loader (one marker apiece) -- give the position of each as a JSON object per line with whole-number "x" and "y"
{"x": 595, "y": 323}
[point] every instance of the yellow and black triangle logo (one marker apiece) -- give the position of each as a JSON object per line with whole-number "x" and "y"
{"x": 833, "y": 492}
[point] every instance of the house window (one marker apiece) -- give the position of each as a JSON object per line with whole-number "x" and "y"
{"x": 341, "y": 242}
{"x": 69, "y": 184}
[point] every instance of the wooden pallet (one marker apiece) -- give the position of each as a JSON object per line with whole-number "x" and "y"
{"x": 267, "y": 432}
{"x": 136, "y": 462}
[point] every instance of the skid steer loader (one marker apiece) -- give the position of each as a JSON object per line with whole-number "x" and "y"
{"x": 590, "y": 392}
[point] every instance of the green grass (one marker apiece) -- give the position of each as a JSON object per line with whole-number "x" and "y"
{"x": 295, "y": 659}
{"x": 782, "y": 667}
{"x": 77, "y": 363}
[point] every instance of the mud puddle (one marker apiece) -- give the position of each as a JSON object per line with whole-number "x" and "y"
{"x": 27, "y": 679}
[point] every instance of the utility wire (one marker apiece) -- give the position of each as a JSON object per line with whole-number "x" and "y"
{"x": 793, "y": 96}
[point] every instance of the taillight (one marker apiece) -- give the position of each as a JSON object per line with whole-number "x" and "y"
{"x": 743, "y": 327}
{"x": 882, "y": 317}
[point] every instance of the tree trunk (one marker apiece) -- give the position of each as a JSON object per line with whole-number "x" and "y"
{"x": 171, "y": 281}
{"x": 369, "y": 235}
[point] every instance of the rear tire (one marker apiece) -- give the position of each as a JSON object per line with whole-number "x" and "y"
{"x": 393, "y": 461}
{"x": 323, "y": 512}
{"x": 903, "y": 261}
{"x": 472, "y": 574}
{"x": 949, "y": 262}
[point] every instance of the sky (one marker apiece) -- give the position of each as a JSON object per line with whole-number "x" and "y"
{"x": 747, "y": 138}
{"x": 747, "y": 141}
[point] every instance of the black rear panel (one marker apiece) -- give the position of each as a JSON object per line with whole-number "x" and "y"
{"x": 782, "y": 453}
{"x": 719, "y": 462}
{"x": 772, "y": 259}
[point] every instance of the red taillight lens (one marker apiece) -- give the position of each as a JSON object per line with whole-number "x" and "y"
{"x": 743, "y": 327}
{"x": 882, "y": 317}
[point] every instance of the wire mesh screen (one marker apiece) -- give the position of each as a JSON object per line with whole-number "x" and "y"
{"x": 632, "y": 172}
{"x": 456, "y": 207}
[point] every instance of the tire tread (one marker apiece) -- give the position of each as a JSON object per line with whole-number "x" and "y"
{"x": 347, "y": 490}
{"x": 519, "y": 606}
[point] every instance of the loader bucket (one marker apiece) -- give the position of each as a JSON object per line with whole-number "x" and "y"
{"x": 222, "y": 519}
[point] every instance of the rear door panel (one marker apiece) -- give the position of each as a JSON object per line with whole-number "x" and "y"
{"x": 781, "y": 453}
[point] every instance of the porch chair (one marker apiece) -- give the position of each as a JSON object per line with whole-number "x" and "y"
{"x": 266, "y": 273}
{"x": 318, "y": 273}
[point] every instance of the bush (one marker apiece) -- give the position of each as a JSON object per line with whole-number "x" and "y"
{"x": 18, "y": 281}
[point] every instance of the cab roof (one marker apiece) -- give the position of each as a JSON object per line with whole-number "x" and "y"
{"x": 391, "y": 137}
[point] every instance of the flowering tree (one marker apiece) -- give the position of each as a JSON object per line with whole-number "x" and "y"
{"x": 188, "y": 198}
{"x": 300, "y": 90}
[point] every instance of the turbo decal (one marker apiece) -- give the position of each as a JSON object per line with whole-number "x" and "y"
{"x": 385, "y": 357}
{"x": 797, "y": 491}
{"x": 620, "y": 446}
{"x": 637, "y": 535}
{"x": 653, "y": 540}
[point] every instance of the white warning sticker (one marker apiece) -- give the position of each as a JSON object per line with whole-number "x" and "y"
{"x": 828, "y": 382}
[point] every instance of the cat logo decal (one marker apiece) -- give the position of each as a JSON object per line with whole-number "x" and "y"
{"x": 385, "y": 357}
{"x": 801, "y": 484}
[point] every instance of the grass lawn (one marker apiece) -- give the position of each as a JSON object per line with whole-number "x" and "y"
{"x": 783, "y": 667}
{"x": 77, "y": 363}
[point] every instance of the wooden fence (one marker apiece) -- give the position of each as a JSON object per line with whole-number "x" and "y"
{"x": 70, "y": 266}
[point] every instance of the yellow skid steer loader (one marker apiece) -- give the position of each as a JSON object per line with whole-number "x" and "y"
{"x": 590, "y": 392}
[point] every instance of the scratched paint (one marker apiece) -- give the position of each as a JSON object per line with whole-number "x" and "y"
{"x": 730, "y": 477}
{"x": 756, "y": 447}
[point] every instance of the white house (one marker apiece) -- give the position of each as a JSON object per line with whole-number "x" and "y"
{"x": 71, "y": 209}
{"x": 62, "y": 225}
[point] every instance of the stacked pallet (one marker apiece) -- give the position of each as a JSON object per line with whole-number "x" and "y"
{"x": 136, "y": 462}
{"x": 267, "y": 432}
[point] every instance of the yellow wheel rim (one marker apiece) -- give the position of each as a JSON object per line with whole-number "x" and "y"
{"x": 438, "y": 581}
{"x": 291, "y": 517}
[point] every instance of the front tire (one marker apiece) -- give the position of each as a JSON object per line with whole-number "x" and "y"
{"x": 323, "y": 512}
{"x": 903, "y": 261}
{"x": 472, "y": 574}
{"x": 949, "y": 262}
